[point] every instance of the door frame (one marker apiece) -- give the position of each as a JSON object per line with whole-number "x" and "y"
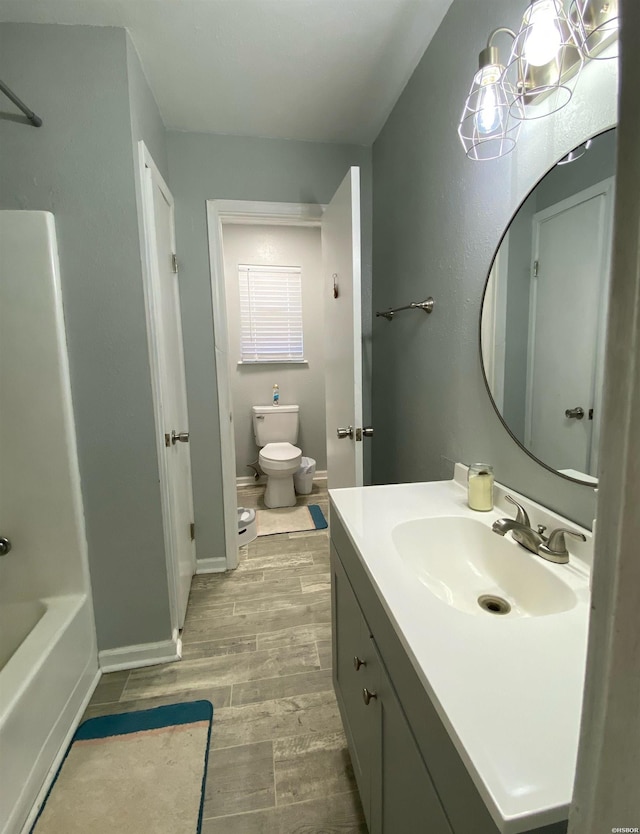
{"x": 240, "y": 212}
{"x": 605, "y": 187}
{"x": 494, "y": 323}
{"x": 150, "y": 278}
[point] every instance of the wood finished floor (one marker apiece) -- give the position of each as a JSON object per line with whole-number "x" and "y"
{"x": 257, "y": 644}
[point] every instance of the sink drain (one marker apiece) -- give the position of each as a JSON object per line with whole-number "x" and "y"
{"x": 494, "y": 605}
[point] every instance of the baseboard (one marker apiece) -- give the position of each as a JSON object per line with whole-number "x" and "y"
{"x": 249, "y": 480}
{"x": 144, "y": 654}
{"x": 74, "y": 711}
{"x": 218, "y": 564}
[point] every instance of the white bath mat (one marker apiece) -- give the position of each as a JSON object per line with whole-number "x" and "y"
{"x": 290, "y": 520}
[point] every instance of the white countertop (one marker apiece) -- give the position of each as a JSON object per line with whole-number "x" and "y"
{"x": 508, "y": 690}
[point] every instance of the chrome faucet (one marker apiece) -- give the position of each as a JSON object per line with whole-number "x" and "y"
{"x": 552, "y": 548}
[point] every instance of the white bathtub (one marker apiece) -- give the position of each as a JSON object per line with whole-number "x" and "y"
{"x": 17, "y": 620}
{"x": 47, "y": 674}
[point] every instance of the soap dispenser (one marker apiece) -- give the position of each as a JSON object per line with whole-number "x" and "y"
{"x": 480, "y": 486}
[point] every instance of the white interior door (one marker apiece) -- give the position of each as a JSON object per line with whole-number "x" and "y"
{"x": 225, "y": 400}
{"x": 566, "y": 341}
{"x": 343, "y": 333}
{"x": 170, "y": 389}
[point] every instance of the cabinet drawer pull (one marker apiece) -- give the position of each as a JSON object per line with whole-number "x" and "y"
{"x": 357, "y": 663}
{"x": 367, "y": 696}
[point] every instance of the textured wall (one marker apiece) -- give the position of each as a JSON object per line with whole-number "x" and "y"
{"x": 146, "y": 123}
{"x": 203, "y": 167}
{"x": 79, "y": 166}
{"x": 438, "y": 218}
{"x": 301, "y": 384}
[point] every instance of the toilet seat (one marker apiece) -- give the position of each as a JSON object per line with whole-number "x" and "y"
{"x": 280, "y": 456}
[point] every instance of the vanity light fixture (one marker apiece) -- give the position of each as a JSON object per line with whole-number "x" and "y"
{"x": 596, "y": 23}
{"x": 545, "y": 58}
{"x": 489, "y": 127}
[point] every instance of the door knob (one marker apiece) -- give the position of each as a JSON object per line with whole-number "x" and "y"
{"x": 342, "y": 433}
{"x": 368, "y": 696}
{"x": 179, "y": 437}
{"x": 5, "y": 546}
{"x": 574, "y": 413}
{"x": 367, "y": 431}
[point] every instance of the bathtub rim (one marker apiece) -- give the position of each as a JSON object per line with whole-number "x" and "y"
{"x": 16, "y": 675}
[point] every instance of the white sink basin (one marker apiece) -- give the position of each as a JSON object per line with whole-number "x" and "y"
{"x": 461, "y": 560}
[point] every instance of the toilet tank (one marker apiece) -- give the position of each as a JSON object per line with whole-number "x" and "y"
{"x": 275, "y": 423}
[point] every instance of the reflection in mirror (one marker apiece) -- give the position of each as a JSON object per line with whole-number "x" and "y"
{"x": 544, "y": 312}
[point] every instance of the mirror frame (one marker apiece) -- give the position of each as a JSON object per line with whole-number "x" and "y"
{"x": 546, "y": 466}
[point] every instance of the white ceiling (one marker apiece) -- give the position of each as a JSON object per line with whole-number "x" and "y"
{"x": 323, "y": 70}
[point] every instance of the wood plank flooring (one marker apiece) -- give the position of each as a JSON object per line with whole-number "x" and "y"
{"x": 257, "y": 644}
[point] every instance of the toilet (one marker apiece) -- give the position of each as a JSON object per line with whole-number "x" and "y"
{"x": 275, "y": 428}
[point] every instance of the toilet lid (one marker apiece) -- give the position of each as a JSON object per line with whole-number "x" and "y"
{"x": 280, "y": 451}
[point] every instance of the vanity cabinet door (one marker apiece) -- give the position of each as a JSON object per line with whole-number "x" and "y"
{"x": 404, "y": 798}
{"x": 352, "y": 647}
{"x": 395, "y": 786}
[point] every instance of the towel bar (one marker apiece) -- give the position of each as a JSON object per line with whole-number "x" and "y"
{"x": 427, "y": 306}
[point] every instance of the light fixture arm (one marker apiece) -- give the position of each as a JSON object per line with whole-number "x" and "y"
{"x": 489, "y": 54}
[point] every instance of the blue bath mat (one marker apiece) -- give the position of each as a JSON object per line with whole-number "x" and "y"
{"x": 318, "y": 517}
{"x": 290, "y": 520}
{"x": 135, "y": 771}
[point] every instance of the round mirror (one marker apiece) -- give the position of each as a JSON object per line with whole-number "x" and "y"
{"x": 543, "y": 317}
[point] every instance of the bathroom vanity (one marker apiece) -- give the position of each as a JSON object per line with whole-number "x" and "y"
{"x": 459, "y": 720}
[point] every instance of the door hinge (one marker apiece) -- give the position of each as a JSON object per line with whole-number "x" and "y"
{"x": 536, "y": 266}
{"x": 174, "y": 262}
{"x": 192, "y": 531}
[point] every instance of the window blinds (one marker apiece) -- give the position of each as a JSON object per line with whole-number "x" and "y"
{"x": 270, "y": 314}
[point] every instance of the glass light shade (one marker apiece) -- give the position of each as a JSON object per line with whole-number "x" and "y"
{"x": 487, "y": 128}
{"x": 545, "y": 61}
{"x": 596, "y": 23}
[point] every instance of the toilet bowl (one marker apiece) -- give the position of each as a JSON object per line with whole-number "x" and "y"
{"x": 275, "y": 430}
{"x": 280, "y": 462}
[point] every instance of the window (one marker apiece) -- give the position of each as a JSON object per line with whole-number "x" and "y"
{"x": 270, "y": 314}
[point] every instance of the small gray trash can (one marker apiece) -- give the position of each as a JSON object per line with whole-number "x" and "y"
{"x": 303, "y": 478}
{"x": 247, "y": 526}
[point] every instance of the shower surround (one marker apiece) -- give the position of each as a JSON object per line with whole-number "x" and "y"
{"x": 48, "y": 656}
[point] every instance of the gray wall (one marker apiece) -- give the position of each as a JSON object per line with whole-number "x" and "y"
{"x": 146, "y": 123}
{"x": 303, "y": 384}
{"x": 438, "y": 218}
{"x": 80, "y": 166}
{"x": 203, "y": 167}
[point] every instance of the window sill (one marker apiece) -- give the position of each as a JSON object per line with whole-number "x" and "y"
{"x": 273, "y": 362}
